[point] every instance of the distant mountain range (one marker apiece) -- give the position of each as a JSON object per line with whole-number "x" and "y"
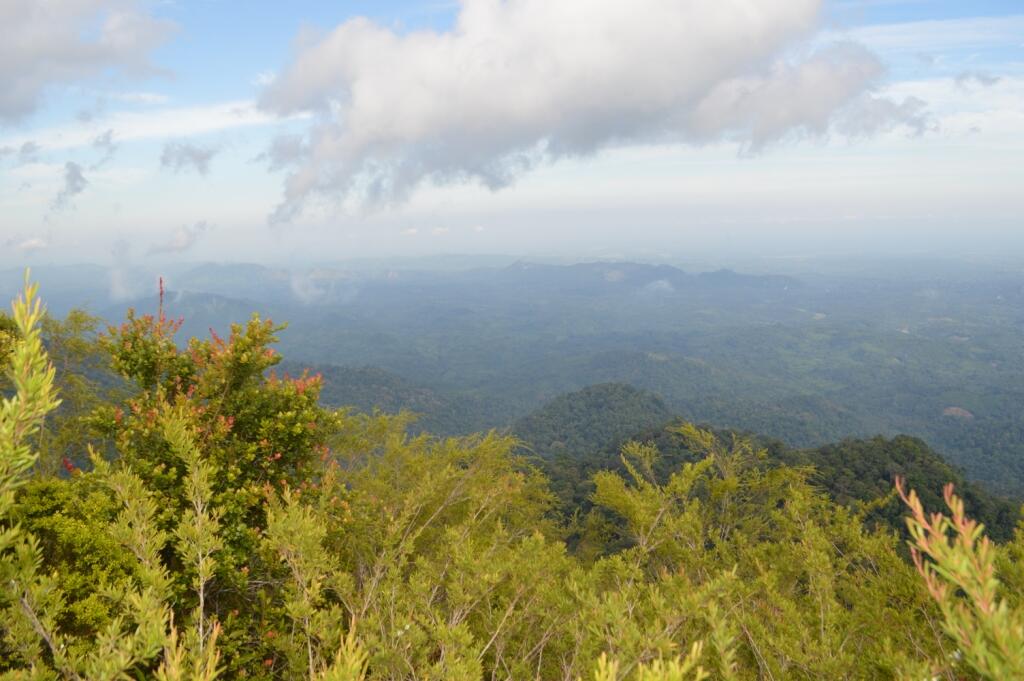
{"x": 100, "y": 288}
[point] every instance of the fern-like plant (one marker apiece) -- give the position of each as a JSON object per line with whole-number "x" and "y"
{"x": 957, "y": 562}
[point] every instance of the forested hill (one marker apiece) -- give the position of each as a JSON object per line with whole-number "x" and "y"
{"x": 580, "y": 433}
{"x": 590, "y": 420}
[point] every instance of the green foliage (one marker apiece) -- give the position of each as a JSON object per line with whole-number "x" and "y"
{"x": 85, "y": 382}
{"x": 856, "y": 473}
{"x": 349, "y": 663}
{"x": 958, "y": 564}
{"x": 198, "y": 532}
{"x": 674, "y": 670}
{"x": 8, "y": 337}
{"x": 33, "y": 599}
{"x": 32, "y": 377}
{"x": 723, "y": 535}
{"x": 21, "y": 415}
{"x": 63, "y": 516}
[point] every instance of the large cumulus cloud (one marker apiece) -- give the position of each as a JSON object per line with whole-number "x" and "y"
{"x": 517, "y": 82}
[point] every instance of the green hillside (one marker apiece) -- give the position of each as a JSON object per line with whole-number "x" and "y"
{"x": 590, "y": 420}
{"x": 853, "y": 472}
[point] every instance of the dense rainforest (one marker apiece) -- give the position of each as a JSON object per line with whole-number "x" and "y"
{"x": 180, "y": 509}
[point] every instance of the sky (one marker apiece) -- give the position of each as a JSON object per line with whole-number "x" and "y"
{"x": 191, "y": 130}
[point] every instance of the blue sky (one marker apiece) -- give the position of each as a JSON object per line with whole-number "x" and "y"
{"x": 207, "y": 129}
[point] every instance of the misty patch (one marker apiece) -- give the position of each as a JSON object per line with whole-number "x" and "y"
{"x": 182, "y": 156}
{"x": 659, "y": 287}
{"x": 516, "y": 84}
{"x": 74, "y": 184}
{"x": 323, "y": 286}
{"x": 32, "y": 245}
{"x": 121, "y": 285}
{"x": 26, "y": 245}
{"x": 123, "y": 282}
{"x": 182, "y": 239}
{"x": 305, "y": 289}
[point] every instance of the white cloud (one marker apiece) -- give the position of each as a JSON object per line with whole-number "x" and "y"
{"x": 440, "y": 231}
{"x": 829, "y": 87}
{"x": 49, "y": 42}
{"x": 518, "y": 82}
